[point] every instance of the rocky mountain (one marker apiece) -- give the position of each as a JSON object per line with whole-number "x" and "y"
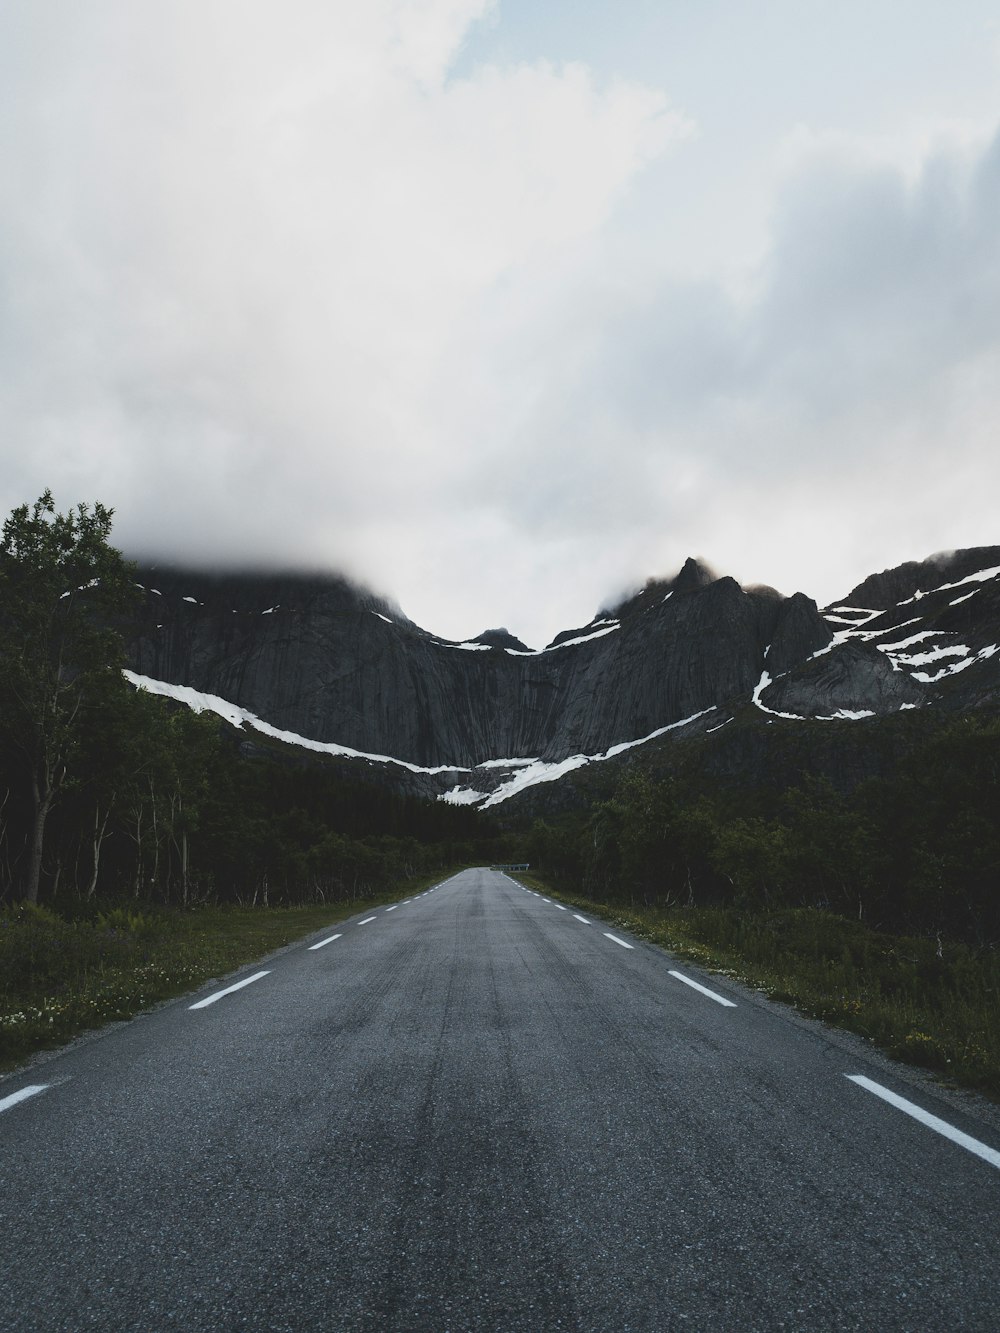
{"x": 318, "y": 662}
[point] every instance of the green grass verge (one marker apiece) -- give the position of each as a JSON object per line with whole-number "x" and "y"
{"x": 60, "y": 977}
{"x": 933, "y": 1005}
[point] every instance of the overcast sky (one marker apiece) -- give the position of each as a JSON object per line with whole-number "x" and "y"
{"x": 501, "y": 308}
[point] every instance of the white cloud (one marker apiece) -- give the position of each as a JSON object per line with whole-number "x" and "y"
{"x": 282, "y": 286}
{"x": 245, "y": 250}
{"x": 838, "y": 422}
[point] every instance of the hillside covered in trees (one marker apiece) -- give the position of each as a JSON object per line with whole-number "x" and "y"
{"x": 108, "y": 793}
{"x": 916, "y": 851}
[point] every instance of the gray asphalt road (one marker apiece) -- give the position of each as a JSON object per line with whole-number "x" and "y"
{"x": 477, "y": 1111}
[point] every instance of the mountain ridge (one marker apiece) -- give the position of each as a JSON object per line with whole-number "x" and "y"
{"x": 326, "y": 661}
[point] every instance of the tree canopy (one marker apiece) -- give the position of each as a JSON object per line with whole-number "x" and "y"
{"x": 61, "y": 586}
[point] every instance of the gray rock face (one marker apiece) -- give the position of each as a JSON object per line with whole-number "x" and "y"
{"x": 891, "y": 586}
{"x": 326, "y": 660}
{"x": 851, "y": 678}
{"x": 939, "y": 623}
{"x": 800, "y": 631}
{"x": 329, "y": 661}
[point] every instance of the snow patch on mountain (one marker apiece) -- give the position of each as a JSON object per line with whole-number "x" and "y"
{"x": 242, "y": 717}
{"x": 761, "y": 686}
{"x": 607, "y": 628}
{"x": 533, "y": 771}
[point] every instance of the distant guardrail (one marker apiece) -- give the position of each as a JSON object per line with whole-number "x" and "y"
{"x": 520, "y": 865}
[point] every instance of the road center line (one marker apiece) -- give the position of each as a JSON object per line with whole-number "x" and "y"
{"x": 329, "y": 940}
{"x": 608, "y": 936}
{"x": 582, "y": 918}
{"x": 931, "y": 1121}
{"x": 32, "y": 1090}
{"x": 366, "y": 920}
{"x": 211, "y": 999}
{"x": 696, "y": 985}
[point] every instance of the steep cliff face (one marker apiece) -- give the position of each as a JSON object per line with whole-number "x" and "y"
{"x": 332, "y": 663}
{"x": 676, "y": 651}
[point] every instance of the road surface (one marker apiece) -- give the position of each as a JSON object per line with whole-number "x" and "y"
{"x": 479, "y": 1110}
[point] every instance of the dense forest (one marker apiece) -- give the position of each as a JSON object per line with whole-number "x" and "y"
{"x": 916, "y": 853}
{"x": 108, "y": 794}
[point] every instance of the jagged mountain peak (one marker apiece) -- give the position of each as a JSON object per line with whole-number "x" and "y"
{"x": 799, "y": 632}
{"x": 692, "y": 574}
{"x": 501, "y": 638}
{"x": 767, "y": 591}
{"x": 888, "y": 588}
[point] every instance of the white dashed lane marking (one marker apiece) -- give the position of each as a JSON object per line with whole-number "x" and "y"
{"x": 329, "y": 940}
{"x": 211, "y": 999}
{"x": 696, "y": 985}
{"x": 32, "y": 1090}
{"x": 931, "y": 1121}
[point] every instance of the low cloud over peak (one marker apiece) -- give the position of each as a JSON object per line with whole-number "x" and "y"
{"x": 312, "y": 294}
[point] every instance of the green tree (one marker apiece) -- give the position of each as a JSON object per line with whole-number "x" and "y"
{"x": 753, "y": 855}
{"x": 61, "y": 586}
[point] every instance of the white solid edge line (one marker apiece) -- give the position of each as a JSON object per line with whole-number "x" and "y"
{"x": 366, "y": 920}
{"x": 582, "y": 918}
{"x": 931, "y": 1121}
{"x": 32, "y": 1090}
{"x": 696, "y": 985}
{"x": 211, "y": 999}
{"x": 329, "y": 940}
{"x": 608, "y": 936}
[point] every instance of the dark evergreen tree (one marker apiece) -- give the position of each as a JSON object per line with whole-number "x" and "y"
{"x": 61, "y": 587}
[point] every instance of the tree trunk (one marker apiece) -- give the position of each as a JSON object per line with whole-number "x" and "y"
{"x": 137, "y": 838}
{"x": 41, "y": 799}
{"x": 100, "y": 825}
{"x": 184, "y": 867}
{"x": 156, "y": 836}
